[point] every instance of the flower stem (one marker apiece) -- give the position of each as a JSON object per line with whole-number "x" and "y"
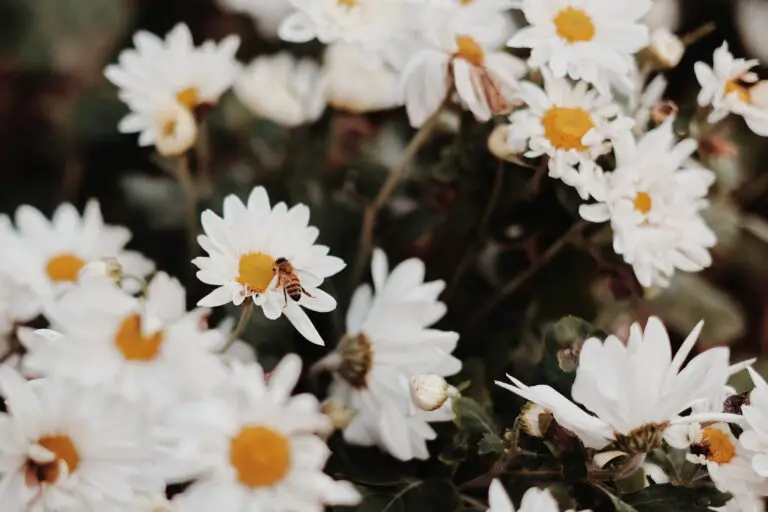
{"x": 184, "y": 176}
{"x": 245, "y": 315}
{"x": 698, "y": 33}
{"x": 512, "y": 286}
{"x": 393, "y": 179}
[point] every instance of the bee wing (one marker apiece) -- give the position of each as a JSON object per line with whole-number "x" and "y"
{"x": 308, "y": 279}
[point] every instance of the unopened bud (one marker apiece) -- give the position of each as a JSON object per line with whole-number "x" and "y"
{"x": 663, "y": 111}
{"x": 535, "y": 419}
{"x": 175, "y": 130}
{"x": 105, "y": 267}
{"x": 666, "y": 48}
{"x": 429, "y": 392}
{"x": 339, "y": 415}
{"x": 758, "y": 94}
{"x": 502, "y": 146}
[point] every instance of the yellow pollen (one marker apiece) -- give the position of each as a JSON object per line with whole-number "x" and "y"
{"x": 261, "y": 456}
{"x": 466, "y": 2}
{"x": 256, "y": 270}
{"x": 719, "y": 445}
{"x": 743, "y": 93}
{"x": 63, "y": 450}
{"x": 133, "y": 345}
{"x": 566, "y": 126}
{"x": 348, "y": 3}
{"x": 64, "y": 267}
{"x": 469, "y": 50}
{"x": 189, "y": 97}
{"x": 643, "y": 202}
{"x": 168, "y": 127}
{"x": 574, "y": 25}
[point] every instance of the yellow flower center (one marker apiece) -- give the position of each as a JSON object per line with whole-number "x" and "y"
{"x": 133, "y": 344}
{"x": 348, "y": 3}
{"x": 189, "y": 97}
{"x": 261, "y": 456}
{"x": 720, "y": 449}
{"x": 466, "y": 2}
{"x": 64, "y": 267}
{"x": 469, "y": 50}
{"x": 574, "y": 25}
{"x": 565, "y": 127}
{"x": 63, "y": 450}
{"x": 256, "y": 270}
{"x": 743, "y": 93}
{"x": 643, "y": 202}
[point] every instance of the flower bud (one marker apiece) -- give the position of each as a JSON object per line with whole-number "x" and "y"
{"x": 662, "y": 111}
{"x": 175, "y": 130}
{"x": 666, "y": 48}
{"x": 535, "y": 419}
{"x": 429, "y": 392}
{"x": 502, "y": 146}
{"x": 105, "y": 267}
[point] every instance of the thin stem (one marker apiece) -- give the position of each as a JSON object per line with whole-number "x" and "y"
{"x": 512, "y": 286}
{"x": 469, "y": 500}
{"x": 184, "y": 176}
{"x": 245, "y": 315}
{"x": 402, "y": 493}
{"x": 203, "y": 153}
{"x": 395, "y": 176}
{"x": 498, "y": 468}
{"x": 696, "y": 34}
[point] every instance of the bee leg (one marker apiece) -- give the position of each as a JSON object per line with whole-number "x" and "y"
{"x": 305, "y": 292}
{"x": 285, "y": 296}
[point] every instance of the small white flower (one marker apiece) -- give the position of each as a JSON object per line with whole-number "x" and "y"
{"x": 653, "y": 200}
{"x": 267, "y": 14}
{"x": 531, "y": 417}
{"x": 245, "y": 249}
{"x": 584, "y": 39}
{"x": 358, "y": 21}
{"x": 667, "y": 48}
{"x": 642, "y": 107}
{"x": 283, "y": 89}
{"x": 429, "y": 392}
{"x": 175, "y": 129}
{"x": 388, "y": 341}
{"x": 68, "y": 448}
{"x": 635, "y": 391}
{"x": 755, "y": 436}
{"x": 725, "y": 86}
{"x": 569, "y": 123}
{"x": 534, "y": 500}
{"x": 486, "y": 20}
{"x": 253, "y": 446}
{"x": 484, "y": 78}
{"x": 360, "y": 80}
{"x": 47, "y": 256}
{"x": 149, "y": 350}
{"x": 160, "y": 74}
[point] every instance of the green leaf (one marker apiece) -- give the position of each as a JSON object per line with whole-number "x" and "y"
{"x": 562, "y": 343}
{"x": 473, "y": 417}
{"x": 490, "y": 443}
{"x": 618, "y": 504}
{"x": 674, "y": 498}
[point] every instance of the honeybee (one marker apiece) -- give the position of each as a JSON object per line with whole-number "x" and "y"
{"x": 288, "y": 280}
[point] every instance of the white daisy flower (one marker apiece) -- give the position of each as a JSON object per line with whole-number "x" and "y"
{"x": 149, "y": 350}
{"x": 484, "y": 78}
{"x": 635, "y": 391}
{"x": 388, "y": 342}
{"x": 755, "y": 411}
{"x": 642, "y": 107}
{"x": 358, "y": 21}
{"x": 726, "y": 87}
{"x": 48, "y": 255}
{"x": 283, "y": 89}
{"x": 159, "y": 75}
{"x": 486, "y": 20}
{"x": 584, "y": 39}
{"x": 568, "y": 123}
{"x": 68, "y": 448}
{"x": 253, "y": 446}
{"x": 268, "y": 255}
{"x": 360, "y": 80}
{"x": 534, "y": 500}
{"x": 653, "y": 200}
{"x": 266, "y": 14}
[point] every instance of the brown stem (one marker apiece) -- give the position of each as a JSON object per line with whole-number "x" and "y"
{"x": 698, "y": 33}
{"x": 184, "y": 175}
{"x": 512, "y": 286}
{"x": 245, "y": 315}
{"x": 395, "y": 176}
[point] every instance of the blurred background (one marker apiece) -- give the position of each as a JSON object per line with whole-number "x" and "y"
{"x": 59, "y": 142}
